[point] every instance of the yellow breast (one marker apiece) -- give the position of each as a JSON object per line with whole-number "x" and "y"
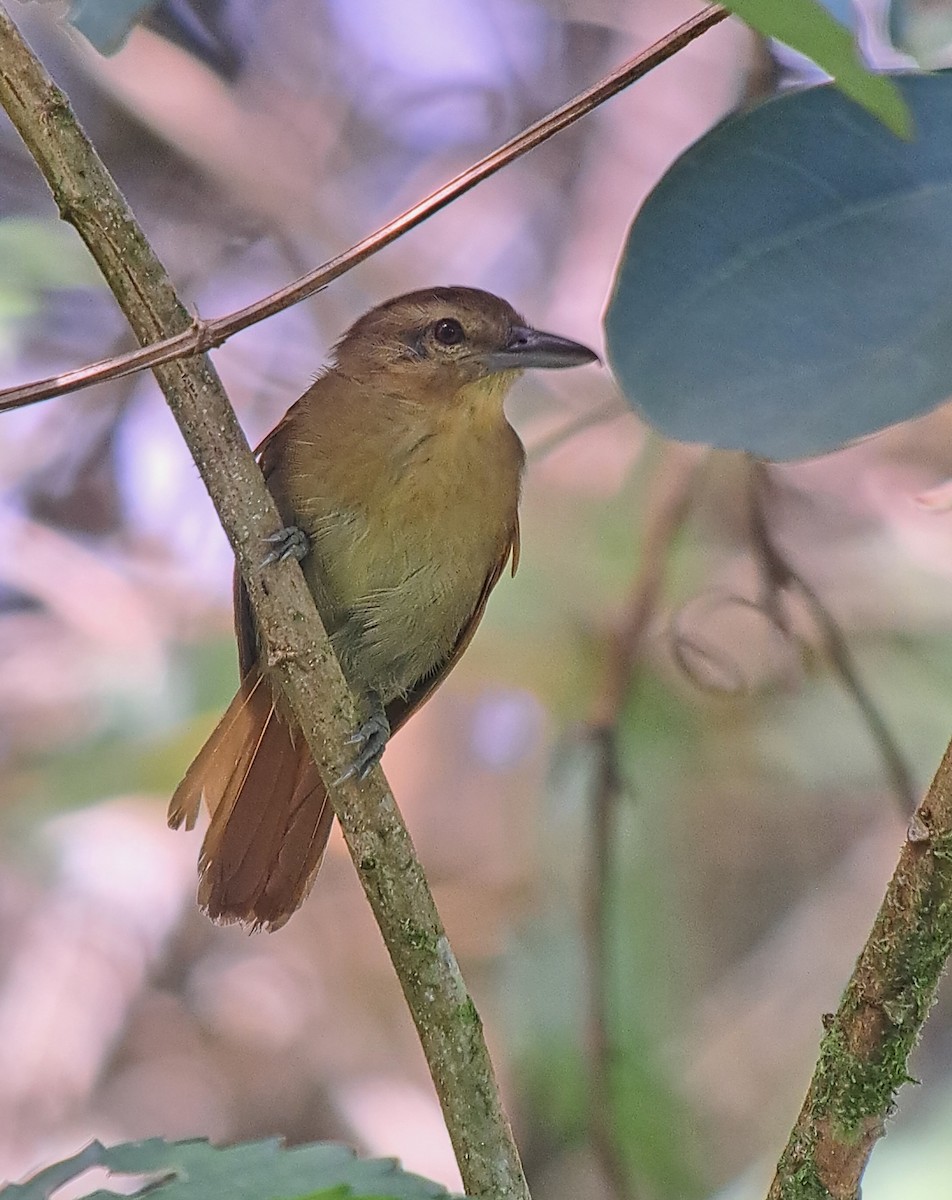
{"x": 408, "y": 518}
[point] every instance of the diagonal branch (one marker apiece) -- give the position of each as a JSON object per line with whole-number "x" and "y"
{"x": 199, "y": 336}
{"x": 299, "y": 653}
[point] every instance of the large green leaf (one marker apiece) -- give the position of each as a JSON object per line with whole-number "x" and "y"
{"x": 787, "y": 286}
{"x": 265, "y": 1170}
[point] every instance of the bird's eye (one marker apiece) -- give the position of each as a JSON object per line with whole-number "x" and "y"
{"x": 448, "y": 332}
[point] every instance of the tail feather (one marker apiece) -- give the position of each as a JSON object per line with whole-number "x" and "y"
{"x": 229, "y": 750}
{"x": 270, "y": 816}
{"x": 301, "y": 851}
{"x": 243, "y": 838}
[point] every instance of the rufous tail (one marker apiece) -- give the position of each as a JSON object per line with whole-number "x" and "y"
{"x": 270, "y": 816}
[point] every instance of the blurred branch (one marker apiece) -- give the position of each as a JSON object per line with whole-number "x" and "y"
{"x": 780, "y": 576}
{"x": 200, "y": 335}
{"x": 865, "y": 1049}
{"x": 668, "y": 500}
{"x": 299, "y": 653}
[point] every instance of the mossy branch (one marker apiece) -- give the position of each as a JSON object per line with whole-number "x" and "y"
{"x": 865, "y": 1051}
{"x": 299, "y": 653}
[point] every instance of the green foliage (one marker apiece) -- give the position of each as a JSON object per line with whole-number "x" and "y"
{"x": 808, "y": 27}
{"x": 784, "y": 289}
{"x": 266, "y": 1170}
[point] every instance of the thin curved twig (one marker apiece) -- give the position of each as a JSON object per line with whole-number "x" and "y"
{"x": 205, "y": 335}
{"x": 781, "y": 576}
{"x": 689, "y": 649}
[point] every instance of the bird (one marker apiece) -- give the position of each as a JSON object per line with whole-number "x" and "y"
{"x": 397, "y": 477}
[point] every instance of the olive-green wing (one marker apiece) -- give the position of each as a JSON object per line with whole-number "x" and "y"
{"x": 399, "y": 711}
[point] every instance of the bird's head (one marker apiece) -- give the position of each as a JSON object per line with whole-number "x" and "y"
{"x": 433, "y": 344}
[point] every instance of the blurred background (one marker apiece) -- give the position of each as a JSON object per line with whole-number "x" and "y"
{"x": 738, "y": 859}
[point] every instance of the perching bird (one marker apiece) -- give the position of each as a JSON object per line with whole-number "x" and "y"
{"x": 397, "y": 476}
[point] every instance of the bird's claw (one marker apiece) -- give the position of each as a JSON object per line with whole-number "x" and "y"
{"x": 289, "y": 542}
{"x": 371, "y": 738}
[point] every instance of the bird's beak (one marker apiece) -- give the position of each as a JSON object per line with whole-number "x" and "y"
{"x": 528, "y": 348}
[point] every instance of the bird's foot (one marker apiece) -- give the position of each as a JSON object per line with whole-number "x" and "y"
{"x": 371, "y": 739}
{"x": 289, "y": 542}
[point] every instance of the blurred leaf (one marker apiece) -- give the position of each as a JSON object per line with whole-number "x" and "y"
{"x": 785, "y": 288}
{"x": 38, "y": 256}
{"x": 659, "y": 740}
{"x": 816, "y": 735}
{"x": 922, "y": 31}
{"x": 546, "y": 987}
{"x": 655, "y": 1132}
{"x": 107, "y": 23}
{"x": 195, "y": 1170}
{"x": 44, "y": 255}
{"x": 809, "y": 27}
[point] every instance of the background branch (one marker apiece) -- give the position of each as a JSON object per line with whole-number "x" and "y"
{"x": 298, "y": 650}
{"x": 199, "y": 335}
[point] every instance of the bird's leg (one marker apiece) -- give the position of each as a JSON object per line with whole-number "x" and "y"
{"x": 370, "y": 738}
{"x": 289, "y": 542}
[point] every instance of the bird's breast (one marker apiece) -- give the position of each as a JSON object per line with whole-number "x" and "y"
{"x": 399, "y": 561}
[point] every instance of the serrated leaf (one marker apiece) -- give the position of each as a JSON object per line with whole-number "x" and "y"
{"x": 787, "y": 286}
{"x": 266, "y": 1170}
{"x": 44, "y": 1183}
{"x": 810, "y": 28}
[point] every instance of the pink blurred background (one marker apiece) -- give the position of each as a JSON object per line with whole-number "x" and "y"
{"x": 757, "y": 832}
